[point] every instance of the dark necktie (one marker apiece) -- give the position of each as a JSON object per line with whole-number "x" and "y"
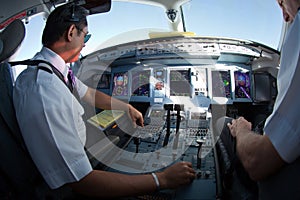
{"x": 71, "y": 80}
{"x": 71, "y": 84}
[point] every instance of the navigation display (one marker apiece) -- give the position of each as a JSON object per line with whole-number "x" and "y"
{"x": 242, "y": 85}
{"x": 180, "y": 83}
{"x": 140, "y": 83}
{"x": 221, "y": 84}
{"x": 120, "y": 84}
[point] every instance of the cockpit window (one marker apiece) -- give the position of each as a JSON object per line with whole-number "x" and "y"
{"x": 255, "y": 20}
{"x": 126, "y": 19}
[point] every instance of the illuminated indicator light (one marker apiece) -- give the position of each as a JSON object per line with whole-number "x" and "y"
{"x": 115, "y": 126}
{"x": 226, "y": 83}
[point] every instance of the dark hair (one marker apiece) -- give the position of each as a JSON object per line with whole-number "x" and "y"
{"x": 60, "y": 20}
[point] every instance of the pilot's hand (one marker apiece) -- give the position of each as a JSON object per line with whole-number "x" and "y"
{"x": 136, "y": 116}
{"x": 240, "y": 125}
{"x": 179, "y": 174}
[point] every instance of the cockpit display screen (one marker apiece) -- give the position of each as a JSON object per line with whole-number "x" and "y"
{"x": 140, "y": 83}
{"x": 120, "y": 84}
{"x": 242, "y": 85}
{"x": 221, "y": 84}
{"x": 180, "y": 83}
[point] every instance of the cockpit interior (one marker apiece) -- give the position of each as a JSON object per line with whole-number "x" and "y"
{"x": 182, "y": 84}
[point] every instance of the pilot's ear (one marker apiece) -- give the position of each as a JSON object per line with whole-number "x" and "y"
{"x": 71, "y": 32}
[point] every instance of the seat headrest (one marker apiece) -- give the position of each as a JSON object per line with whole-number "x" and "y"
{"x": 11, "y": 38}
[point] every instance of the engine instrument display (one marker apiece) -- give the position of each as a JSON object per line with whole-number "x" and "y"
{"x": 140, "y": 83}
{"x": 180, "y": 83}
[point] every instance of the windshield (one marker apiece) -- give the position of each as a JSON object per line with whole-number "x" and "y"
{"x": 255, "y": 20}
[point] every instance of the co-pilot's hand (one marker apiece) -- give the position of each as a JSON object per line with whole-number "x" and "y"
{"x": 238, "y": 126}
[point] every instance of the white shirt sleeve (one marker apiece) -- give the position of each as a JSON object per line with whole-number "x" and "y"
{"x": 282, "y": 126}
{"x": 81, "y": 88}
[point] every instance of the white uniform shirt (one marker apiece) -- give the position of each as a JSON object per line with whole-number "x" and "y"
{"x": 50, "y": 119}
{"x": 282, "y": 126}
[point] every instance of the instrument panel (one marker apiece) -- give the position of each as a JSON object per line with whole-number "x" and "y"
{"x": 159, "y": 84}
{"x": 157, "y": 70}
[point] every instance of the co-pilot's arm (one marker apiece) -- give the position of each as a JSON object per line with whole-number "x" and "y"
{"x": 256, "y": 152}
